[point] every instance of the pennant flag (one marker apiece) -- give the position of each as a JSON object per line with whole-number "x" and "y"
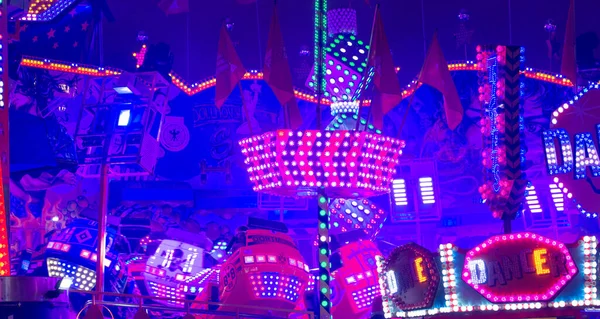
{"x": 435, "y": 73}
{"x": 278, "y": 76}
{"x": 230, "y": 69}
{"x": 174, "y": 6}
{"x": 568, "y": 67}
{"x": 387, "y": 88}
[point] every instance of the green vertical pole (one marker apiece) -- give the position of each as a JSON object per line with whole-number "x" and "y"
{"x": 324, "y": 252}
{"x": 319, "y": 53}
{"x": 323, "y": 202}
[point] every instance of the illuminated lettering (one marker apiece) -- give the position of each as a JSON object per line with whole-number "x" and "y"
{"x": 419, "y": 270}
{"x": 512, "y": 267}
{"x": 477, "y": 269}
{"x": 495, "y": 275}
{"x": 525, "y": 265}
{"x": 558, "y": 264}
{"x": 539, "y": 260}
{"x": 586, "y": 155}
{"x": 391, "y": 281}
{"x": 562, "y": 160}
{"x": 566, "y": 152}
{"x": 406, "y": 276}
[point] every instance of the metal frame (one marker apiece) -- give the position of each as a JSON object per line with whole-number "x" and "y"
{"x": 186, "y": 306}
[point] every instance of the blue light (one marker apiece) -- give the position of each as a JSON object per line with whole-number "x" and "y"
{"x": 123, "y": 90}
{"x": 551, "y": 153}
{"x": 586, "y": 155}
{"x": 124, "y": 117}
{"x": 492, "y": 112}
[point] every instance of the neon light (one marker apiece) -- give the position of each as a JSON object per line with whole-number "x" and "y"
{"x": 539, "y": 260}
{"x": 46, "y": 10}
{"x": 419, "y": 269}
{"x": 392, "y": 282}
{"x": 586, "y": 155}
{"x": 554, "y": 259}
{"x": 426, "y": 187}
{"x": 492, "y": 112}
{"x": 478, "y": 272}
{"x": 557, "y": 197}
{"x": 399, "y": 187}
{"x": 296, "y": 163}
{"x": 140, "y": 56}
{"x": 590, "y": 264}
{"x": 532, "y": 200}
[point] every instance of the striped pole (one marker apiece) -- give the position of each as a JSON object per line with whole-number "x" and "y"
{"x": 324, "y": 252}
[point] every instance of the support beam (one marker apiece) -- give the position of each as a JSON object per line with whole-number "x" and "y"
{"x": 4, "y": 147}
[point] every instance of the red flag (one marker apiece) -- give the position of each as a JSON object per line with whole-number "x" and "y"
{"x": 278, "y": 76}
{"x": 230, "y": 69}
{"x": 435, "y": 73}
{"x": 387, "y": 88}
{"x": 174, "y": 6}
{"x": 568, "y": 66}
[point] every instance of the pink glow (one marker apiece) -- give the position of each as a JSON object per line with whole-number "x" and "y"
{"x": 346, "y": 162}
{"x": 490, "y": 295}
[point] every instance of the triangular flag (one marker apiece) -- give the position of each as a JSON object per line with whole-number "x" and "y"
{"x": 568, "y": 67}
{"x": 94, "y": 312}
{"x": 278, "y": 76}
{"x": 387, "y": 88}
{"x": 435, "y": 73}
{"x": 230, "y": 69}
{"x": 174, "y": 6}
{"x": 141, "y": 314}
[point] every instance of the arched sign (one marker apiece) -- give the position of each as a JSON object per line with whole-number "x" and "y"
{"x": 571, "y": 148}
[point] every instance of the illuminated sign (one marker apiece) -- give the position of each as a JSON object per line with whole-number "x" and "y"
{"x": 411, "y": 277}
{"x": 571, "y": 148}
{"x": 521, "y": 267}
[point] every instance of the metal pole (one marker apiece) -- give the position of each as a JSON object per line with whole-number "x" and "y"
{"x": 102, "y": 214}
{"x": 363, "y": 82}
{"x": 4, "y": 148}
{"x": 510, "y": 38}
{"x": 260, "y": 61}
{"x": 324, "y": 253}
{"x": 423, "y": 27}
{"x": 187, "y": 46}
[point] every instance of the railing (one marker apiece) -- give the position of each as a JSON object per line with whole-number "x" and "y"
{"x": 239, "y": 312}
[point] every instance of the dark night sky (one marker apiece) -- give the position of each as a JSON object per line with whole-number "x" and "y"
{"x": 402, "y": 18}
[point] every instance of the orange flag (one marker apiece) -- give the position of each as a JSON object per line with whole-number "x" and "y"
{"x": 568, "y": 66}
{"x": 387, "y": 88}
{"x": 278, "y": 76}
{"x": 230, "y": 69}
{"x": 435, "y": 73}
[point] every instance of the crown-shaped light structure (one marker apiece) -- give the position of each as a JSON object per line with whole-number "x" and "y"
{"x": 347, "y": 164}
